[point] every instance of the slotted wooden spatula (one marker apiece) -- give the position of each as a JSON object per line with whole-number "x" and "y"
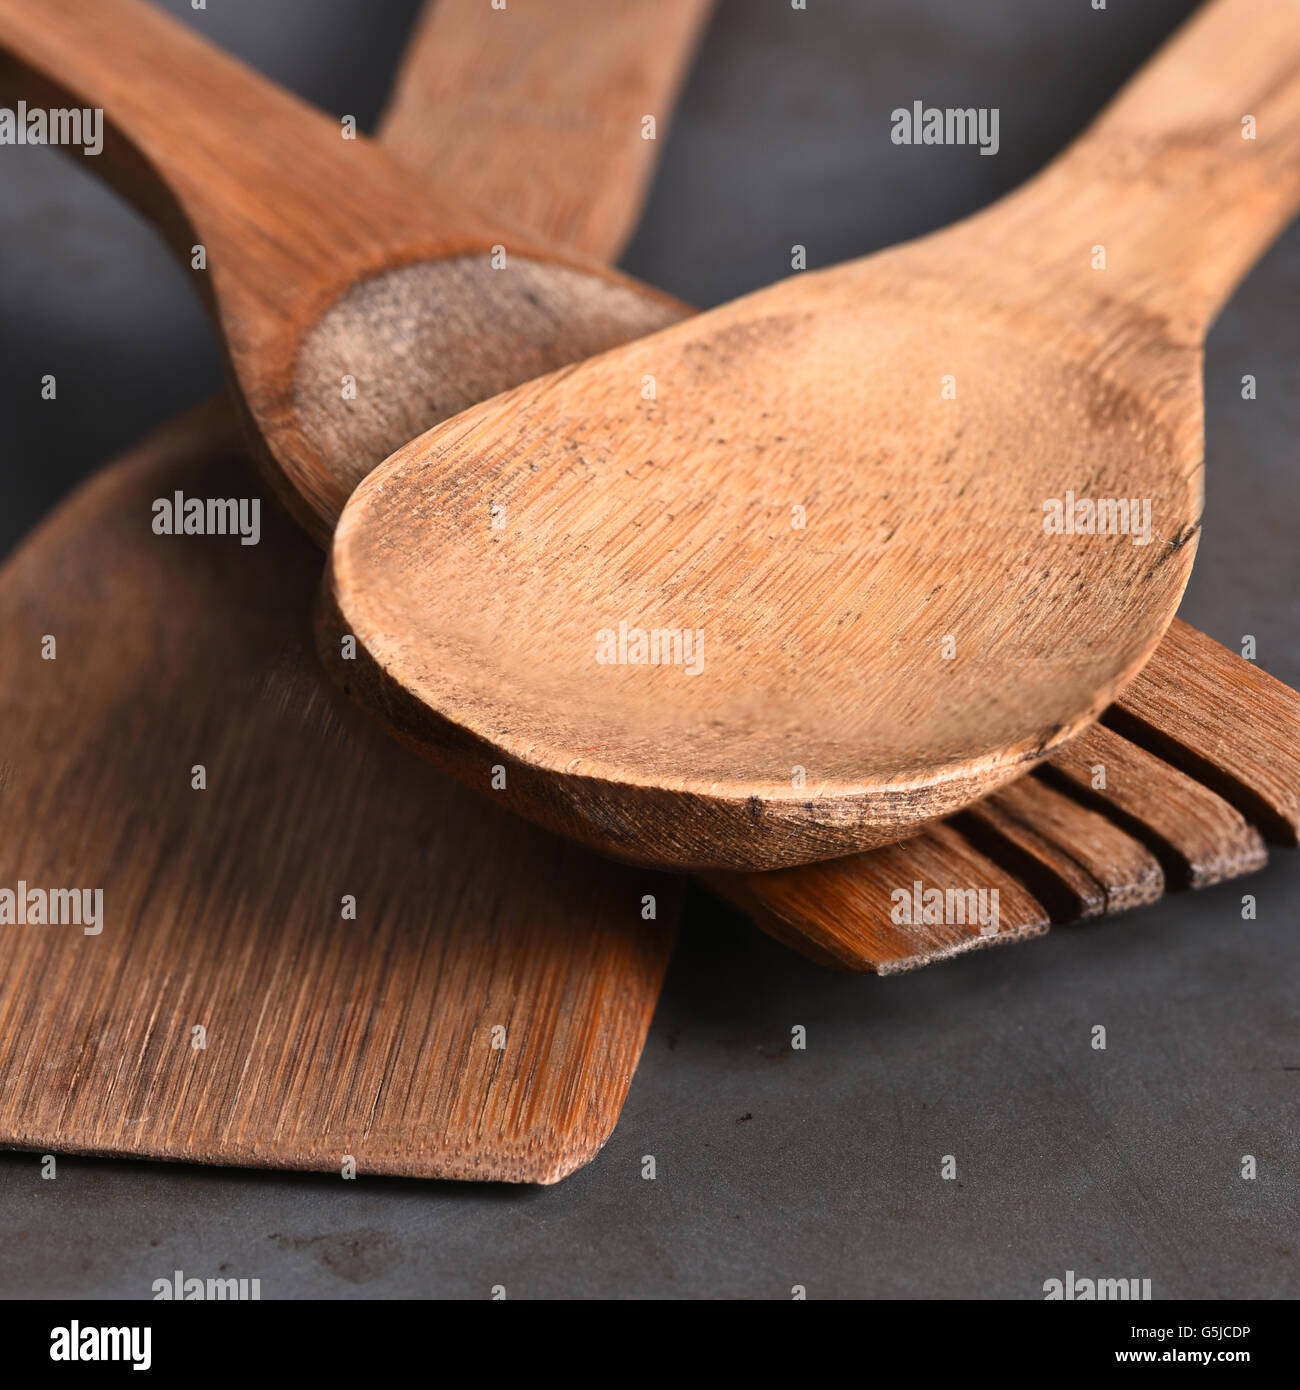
{"x": 1189, "y": 773}
{"x": 483, "y": 1012}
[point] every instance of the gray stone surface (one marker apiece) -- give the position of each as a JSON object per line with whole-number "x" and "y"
{"x": 774, "y": 1167}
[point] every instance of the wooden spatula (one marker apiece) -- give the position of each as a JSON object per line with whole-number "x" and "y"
{"x": 783, "y": 581}
{"x": 324, "y": 1035}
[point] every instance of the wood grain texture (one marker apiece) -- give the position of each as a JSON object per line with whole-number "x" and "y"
{"x": 1079, "y": 864}
{"x": 826, "y": 647}
{"x": 1222, "y": 720}
{"x": 842, "y": 912}
{"x": 894, "y": 953}
{"x": 1201, "y": 838}
{"x": 1210, "y": 770}
{"x": 524, "y": 105}
{"x": 223, "y": 907}
{"x": 304, "y": 232}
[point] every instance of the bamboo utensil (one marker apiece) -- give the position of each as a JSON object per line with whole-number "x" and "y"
{"x": 923, "y": 638}
{"x": 1043, "y": 843}
{"x": 325, "y": 1036}
{"x": 464, "y": 1021}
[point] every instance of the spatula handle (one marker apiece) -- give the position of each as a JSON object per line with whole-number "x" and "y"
{"x": 1178, "y": 188}
{"x": 537, "y": 111}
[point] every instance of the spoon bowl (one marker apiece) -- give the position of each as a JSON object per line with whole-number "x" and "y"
{"x": 806, "y": 587}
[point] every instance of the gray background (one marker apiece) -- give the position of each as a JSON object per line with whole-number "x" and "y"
{"x": 775, "y": 1168}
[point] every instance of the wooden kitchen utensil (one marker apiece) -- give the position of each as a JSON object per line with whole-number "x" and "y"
{"x": 1090, "y": 865}
{"x": 1063, "y": 852}
{"x": 480, "y": 1015}
{"x": 325, "y": 1035}
{"x": 777, "y": 583}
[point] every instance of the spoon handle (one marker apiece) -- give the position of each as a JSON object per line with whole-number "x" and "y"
{"x": 218, "y": 157}
{"x": 279, "y": 215}
{"x": 539, "y": 109}
{"x": 1178, "y": 188}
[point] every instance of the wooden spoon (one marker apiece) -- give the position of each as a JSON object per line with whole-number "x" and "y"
{"x": 341, "y": 284}
{"x": 1052, "y": 857}
{"x": 373, "y": 1036}
{"x": 838, "y": 487}
{"x": 1055, "y": 852}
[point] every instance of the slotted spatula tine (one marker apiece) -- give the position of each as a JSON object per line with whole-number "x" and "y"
{"x": 840, "y": 912}
{"x": 1206, "y": 768}
{"x": 1199, "y": 836}
{"x": 1077, "y": 862}
{"x": 1223, "y": 721}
